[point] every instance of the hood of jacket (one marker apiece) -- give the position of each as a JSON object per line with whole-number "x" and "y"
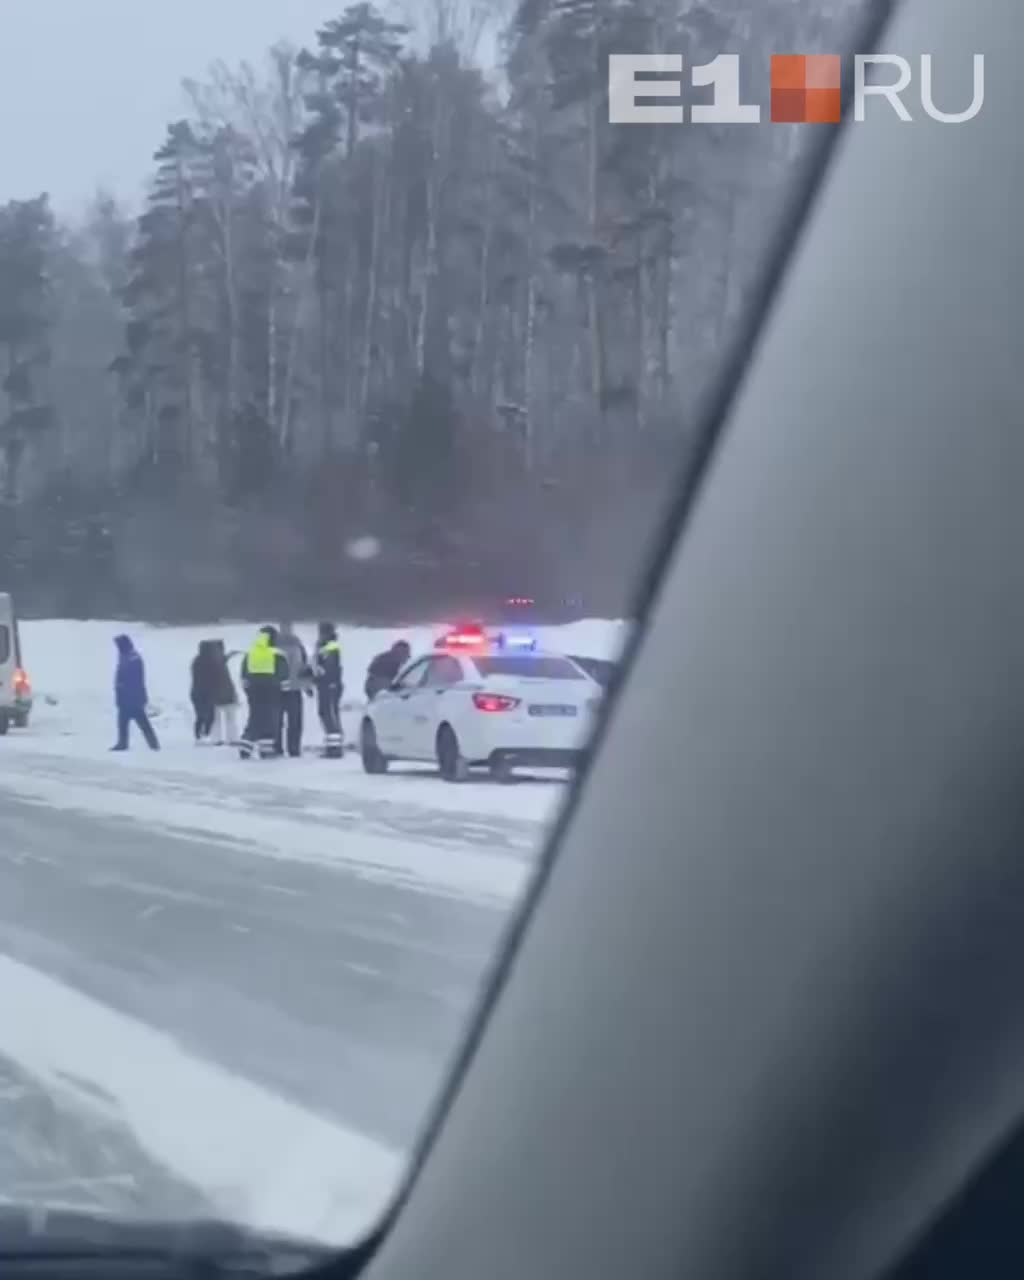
{"x": 296, "y": 657}
{"x": 124, "y": 645}
{"x": 208, "y": 660}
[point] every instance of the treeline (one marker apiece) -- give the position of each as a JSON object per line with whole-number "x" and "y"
{"x": 379, "y": 291}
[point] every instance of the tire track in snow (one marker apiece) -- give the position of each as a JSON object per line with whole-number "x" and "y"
{"x": 342, "y": 811}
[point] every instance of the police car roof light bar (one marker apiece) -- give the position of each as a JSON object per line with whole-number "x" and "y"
{"x": 461, "y": 637}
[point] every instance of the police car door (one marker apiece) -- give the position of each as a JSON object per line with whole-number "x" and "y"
{"x": 393, "y": 710}
{"x": 431, "y": 707}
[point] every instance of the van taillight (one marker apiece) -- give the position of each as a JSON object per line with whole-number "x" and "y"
{"x": 22, "y": 684}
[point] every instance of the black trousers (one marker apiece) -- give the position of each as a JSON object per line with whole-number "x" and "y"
{"x": 289, "y": 724}
{"x": 261, "y": 728}
{"x": 328, "y": 705}
{"x": 205, "y": 713}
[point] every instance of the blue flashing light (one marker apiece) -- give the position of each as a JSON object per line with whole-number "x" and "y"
{"x": 517, "y": 640}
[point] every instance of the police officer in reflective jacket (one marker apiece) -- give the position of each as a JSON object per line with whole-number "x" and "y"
{"x": 264, "y": 671}
{"x": 328, "y": 676}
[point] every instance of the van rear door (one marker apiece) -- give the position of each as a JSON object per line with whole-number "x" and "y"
{"x": 8, "y": 652}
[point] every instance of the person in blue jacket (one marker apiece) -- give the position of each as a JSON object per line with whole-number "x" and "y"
{"x": 130, "y": 695}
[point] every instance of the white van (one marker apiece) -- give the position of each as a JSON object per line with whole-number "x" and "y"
{"x": 15, "y": 689}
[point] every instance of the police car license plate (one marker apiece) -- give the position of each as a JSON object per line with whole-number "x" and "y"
{"x": 551, "y": 709}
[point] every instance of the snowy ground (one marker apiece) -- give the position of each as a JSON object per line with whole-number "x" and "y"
{"x": 234, "y": 988}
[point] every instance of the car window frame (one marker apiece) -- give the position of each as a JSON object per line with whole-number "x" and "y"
{"x": 401, "y": 684}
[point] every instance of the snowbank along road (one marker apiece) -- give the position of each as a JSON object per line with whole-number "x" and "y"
{"x": 234, "y": 988}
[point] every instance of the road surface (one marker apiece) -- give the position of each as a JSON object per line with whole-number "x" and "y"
{"x": 343, "y": 990}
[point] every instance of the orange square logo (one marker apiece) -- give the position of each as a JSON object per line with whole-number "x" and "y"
{"x": 806, "y": 89}
{"x": 789, "y": 71}
{"x": 823, "y": 106}
{"x": 823, "y": 71}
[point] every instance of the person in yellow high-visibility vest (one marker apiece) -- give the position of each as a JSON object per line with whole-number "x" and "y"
{"x": 264, "y": 671}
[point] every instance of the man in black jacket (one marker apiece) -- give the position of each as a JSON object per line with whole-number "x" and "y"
{"x": 384, "y": 669}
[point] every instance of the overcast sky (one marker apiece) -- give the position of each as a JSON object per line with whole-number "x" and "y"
{"x": 88, "y": 86}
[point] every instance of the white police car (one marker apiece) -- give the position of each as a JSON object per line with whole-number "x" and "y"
{"x": 482, "y": 700}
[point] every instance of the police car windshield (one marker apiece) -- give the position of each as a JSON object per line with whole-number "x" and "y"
{"x": 530, "y": 666}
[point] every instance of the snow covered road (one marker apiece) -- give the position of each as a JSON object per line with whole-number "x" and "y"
{"x": 248, "y": 978}
{"x": 341, "y": 983}
{"x": 57, "y": 1154}
{"x": 343, "y": 994}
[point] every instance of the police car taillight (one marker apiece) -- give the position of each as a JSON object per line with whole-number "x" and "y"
{"x": 494, "y": 702}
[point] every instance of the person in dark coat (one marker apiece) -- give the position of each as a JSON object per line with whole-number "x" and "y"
{"x": 225, "y": 698}
{"x": 384, "y": 669}
{"x": 130, "y": 695}
{"x": 205, "y": 677}
{"x": 264, "y": 671}
{"x": 327, "y": 672}
{"x": 299, "y": 683}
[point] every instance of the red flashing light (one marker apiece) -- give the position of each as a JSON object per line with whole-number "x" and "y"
{"x": 463, "y": 637}
{"x": 494, "y": 702}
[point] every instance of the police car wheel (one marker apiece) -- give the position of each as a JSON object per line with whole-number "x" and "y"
{"x": 374, "y": 761}
{"x": 21, "y": 720}
{"x": 449, "y": 756}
